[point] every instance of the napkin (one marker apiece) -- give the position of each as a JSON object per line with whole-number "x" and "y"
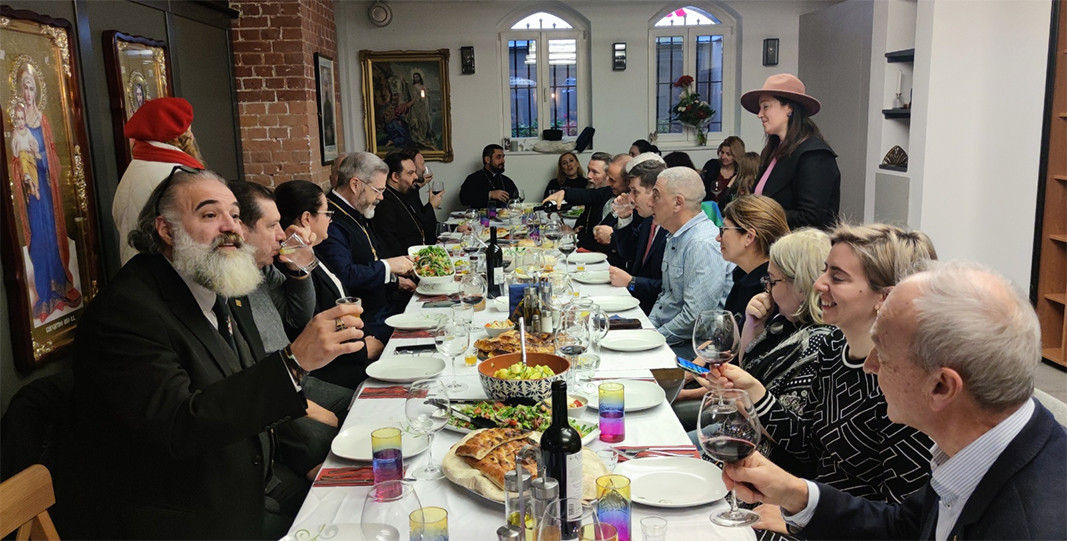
{"x": 643, "y": 451}
{"x": 393, "y": 391}
{"x": 422, "y": 333}
{"x": 358, "y": 476}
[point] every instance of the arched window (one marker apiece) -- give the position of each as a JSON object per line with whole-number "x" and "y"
{"x": 691, "y": 41}
{"x": 545, "y": 56}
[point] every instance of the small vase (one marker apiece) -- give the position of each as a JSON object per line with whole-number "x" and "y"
{"x": 702, "y": 137}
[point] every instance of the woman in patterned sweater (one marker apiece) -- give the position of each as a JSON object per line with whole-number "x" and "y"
{"x": 842, "y": 432}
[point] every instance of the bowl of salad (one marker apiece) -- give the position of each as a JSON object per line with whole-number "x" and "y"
{"x": 433, "y": 266}
{"x": 505, "y": 377}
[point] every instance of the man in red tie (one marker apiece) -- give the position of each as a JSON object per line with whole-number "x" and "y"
{"x": 638, "y": 239}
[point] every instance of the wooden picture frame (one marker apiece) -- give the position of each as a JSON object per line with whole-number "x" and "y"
{"x": 138, "y": 69}
{"x": 326, "y": 91}
{"x": 50, "y": 242}
{"x": 406, "y": 102}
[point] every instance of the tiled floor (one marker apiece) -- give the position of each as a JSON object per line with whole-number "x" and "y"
{"x": 1052, "y": 379}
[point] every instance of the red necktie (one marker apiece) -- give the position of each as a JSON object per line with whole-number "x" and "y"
{"x": 651, "y": 239}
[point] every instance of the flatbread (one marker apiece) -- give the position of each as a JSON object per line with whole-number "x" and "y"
{"x": 463, "y": 474}
{"x": 508, "y": 342}
{"x": 502, "y": 460}
{"x": 484, "y": 441}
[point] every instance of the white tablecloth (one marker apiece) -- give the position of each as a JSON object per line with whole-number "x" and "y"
{"x": 336, "y": 510}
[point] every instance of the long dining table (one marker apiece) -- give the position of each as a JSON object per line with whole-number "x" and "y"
{"x": 332, "y": 511}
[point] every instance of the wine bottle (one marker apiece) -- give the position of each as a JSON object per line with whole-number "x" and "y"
{"x": 494, "y": 266}
{"x": 550, "y": 207}
{"x": 561, "y": 447}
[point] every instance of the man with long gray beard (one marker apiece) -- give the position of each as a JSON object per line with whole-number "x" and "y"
{"x": 173, "y": 414}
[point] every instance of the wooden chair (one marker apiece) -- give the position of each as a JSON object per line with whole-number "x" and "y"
{"x": 24, "y": 506}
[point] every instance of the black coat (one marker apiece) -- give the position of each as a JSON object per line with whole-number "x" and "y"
{"x": 807, "y": 183}
{"x": 476, "y": 187}
{"x": 397, "y": 224}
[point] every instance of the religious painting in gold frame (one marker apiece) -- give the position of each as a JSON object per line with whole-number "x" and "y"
{"x": 138, "y": 70}
{"x": 50, "y": 244}
{"x": 406, "y": 102}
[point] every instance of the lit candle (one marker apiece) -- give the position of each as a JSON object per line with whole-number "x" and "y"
{"x": 900, "y": 81}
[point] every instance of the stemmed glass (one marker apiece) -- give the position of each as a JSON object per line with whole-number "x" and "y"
{"x": 715, "y": 337}
{"x": 566, "y": 245}
{"x": 444, "y": 232}
{"x": 472, "y": 288}
{"x": 552, "y": 230}
{"x": 522, "y": 195}
{"x": 452, "y": 339}
{"x": 427, "y": 410}
{"x": 572, "y": 340}
{"x": 386, "y": 510}
{"x": 729, "y": 430}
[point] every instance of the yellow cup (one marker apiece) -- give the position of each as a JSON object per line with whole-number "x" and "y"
{"x": 429, "y": 524}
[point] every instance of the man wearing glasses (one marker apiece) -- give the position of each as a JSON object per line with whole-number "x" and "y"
{"x": 352, "y": 249}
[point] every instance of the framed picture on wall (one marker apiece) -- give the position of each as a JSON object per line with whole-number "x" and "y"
{"x": 138, "y": 70}
{"x": 324, "y": 87}
{"x": 50, "y": 246}
{"x": 406, "y": 102}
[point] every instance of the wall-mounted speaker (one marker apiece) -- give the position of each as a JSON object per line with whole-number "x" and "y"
{"x": 380, "y": 14}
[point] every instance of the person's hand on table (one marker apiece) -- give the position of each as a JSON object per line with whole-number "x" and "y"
{"x": 374, "y": 348}
{"x": 770, "y": 518}
{"x": 330, "y": 333}
{"x": 500, "y": 195}
{"x": 758, "y": 480}
{"x": 463, "y": 228}
{"x": 619, "y": 277}
{"x": 556, "y": 197}
{"x": 405, "y": 284}
{"x": 400, "y": 265}
{"x": 602, "y": 233}
{"x": 321, "y": 414}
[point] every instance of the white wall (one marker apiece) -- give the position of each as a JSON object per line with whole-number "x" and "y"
{"x": 978, "y": 127}
{"x": 619, "y": 99}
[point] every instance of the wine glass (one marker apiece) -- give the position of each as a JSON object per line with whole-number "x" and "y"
{"x": 452, "y": 339}
{"x": 729, "y": 430}
{"x": 566, "y": 245}
{"x": 522, "y": 195}
{"x": 584, "y": 524}
{"x": 715, "y": 337}
{"x": 472, "y": 288}
{"x": 427, "y": 410}
{"x": 552, "y": 230}
{"x": 572, "y": 340}
{"x": 444, "y": 232}
{"x": 386, "y": 510}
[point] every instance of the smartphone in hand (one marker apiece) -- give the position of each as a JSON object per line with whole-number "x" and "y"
{"x": 689, "y": 366}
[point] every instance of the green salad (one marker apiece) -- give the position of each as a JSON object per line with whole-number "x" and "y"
{"x": 433, "y": 261}
{"x": 537, "y": 417}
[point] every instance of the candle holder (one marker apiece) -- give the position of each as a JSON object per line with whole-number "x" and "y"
{"x": 898, "y": 101}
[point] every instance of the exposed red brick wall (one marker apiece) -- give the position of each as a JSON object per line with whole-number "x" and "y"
{"x": 274, "y": 45}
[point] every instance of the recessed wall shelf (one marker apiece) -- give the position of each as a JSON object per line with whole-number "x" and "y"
{"x": 897, "y": 113}
{"x": 894, "y": 168}
{"x": 904, "y": 55}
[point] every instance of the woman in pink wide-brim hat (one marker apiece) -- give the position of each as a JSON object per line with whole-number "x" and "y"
{"x": 797, "y": 167}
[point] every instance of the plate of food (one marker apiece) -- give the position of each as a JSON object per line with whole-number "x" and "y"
{"x": 405, "y": 368}
{"x": 415, "y": 321}
{"x": 638, "y": 394}
{"x": 354, "y": 442}
{"x": 480, "y": 460}
{"x": 508, "y": 342}
{"x": 531, "y": 418}
{"x": 592, "y": 277}
{"x": 615, "y": 303}
{"x": 673, "y": 481}
{"x": 574, "y": 212}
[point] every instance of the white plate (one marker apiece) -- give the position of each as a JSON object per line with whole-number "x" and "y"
{"x": 638, "y": 395}
{"x": 672, "y": 481}
{"x": 592, "y": 277}
{"x": 632, "y": 340}
{"x": 587, "y": 257}
{"x": 405, "y": 368}
{"x": 354, "y": 442}
{"x": 413, "y": 322}
{"x": 616, "y": 303}
{"x": 447, "y": 288}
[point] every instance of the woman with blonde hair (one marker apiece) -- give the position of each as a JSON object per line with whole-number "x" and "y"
{"x": 838, "y": 432}
{"x": 569, "y": 174}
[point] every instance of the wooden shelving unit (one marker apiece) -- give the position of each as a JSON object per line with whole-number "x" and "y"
{"x": 1050, "y": 270}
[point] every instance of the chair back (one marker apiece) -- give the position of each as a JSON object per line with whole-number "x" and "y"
{"x": 1053, "y": 404}
{"x": 24, "y": 507}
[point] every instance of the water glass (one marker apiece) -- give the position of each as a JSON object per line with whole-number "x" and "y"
{"x": 610, "y": 457}
{"x": 585, "y": 366}
{"x": 388, "y": 459}
{"x": 654, "y": 528}
{"x": 429, "y": 524}
{"x": 386, "y": 511}
{"x": 463, "y": 313}
{"x": 613, "y": 503}
{"x": 294, "y": 250}
{"x": 612, "y": 402}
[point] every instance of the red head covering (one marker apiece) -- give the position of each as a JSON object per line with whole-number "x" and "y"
{"x": 162, "y": 120}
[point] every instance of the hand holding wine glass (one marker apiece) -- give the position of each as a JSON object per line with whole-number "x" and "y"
{"x": 729, "y": 430}
{"x": 427, "y": 411}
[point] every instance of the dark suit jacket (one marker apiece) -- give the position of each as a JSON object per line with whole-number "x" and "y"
{"x": 397, "y": 224}
{"x": 351, "y": 251}
{"x": 630, "y": 242}
{"x": 1021, "y": 497}
{"x": 350, "y": 369}
{"x": 807, "y": 183}
{"x": 427, "y": 215}
{"x": 476, "y": 187}
{"x": 169, "y": 430}
{"x": 594, "y": 200}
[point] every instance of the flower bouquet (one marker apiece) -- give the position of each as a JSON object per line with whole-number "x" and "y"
{"x": 691, "y": 110}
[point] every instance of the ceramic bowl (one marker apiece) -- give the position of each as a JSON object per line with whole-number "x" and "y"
{"x": 538, "y": 389}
